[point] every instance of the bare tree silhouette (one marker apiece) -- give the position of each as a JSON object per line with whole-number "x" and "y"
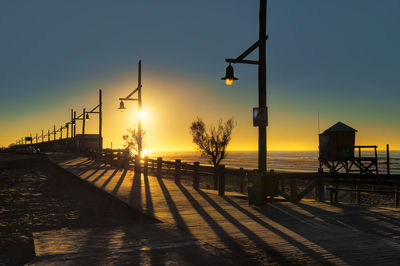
{"x": 133, "y": 139}
{"x": 212, "y": 143}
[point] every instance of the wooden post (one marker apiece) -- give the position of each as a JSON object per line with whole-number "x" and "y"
{"x": 216, "y": 177}
{"x": 241, "y": 180}
{"x": 177, "y": 171}
{"x": 159, "y": 166}
{"x": 376, "y": 157}
{"x": 83, "y": 121}
{"x": 221, "y": 180}
{"x": 146, "y": 166}
{"x": 336, "y": 193}
{"x": 196, "y": 175}
{"x": 293, "y": 190}
{"x": 396, "y": 197}
{"x": 74, "y": 124}
{"x": 126, "y": 158}
{"x": 387, "y": 159}
{"x": 100, "y": 120}
{"x": 137, "y": 164}
{"x": 321, "y": 188}
{"x": 357, "y": 195}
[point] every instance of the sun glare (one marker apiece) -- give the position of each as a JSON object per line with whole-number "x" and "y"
{"x": 143, "y": 115}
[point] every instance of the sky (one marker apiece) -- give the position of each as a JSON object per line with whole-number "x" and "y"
{"x": 336, "y": 58}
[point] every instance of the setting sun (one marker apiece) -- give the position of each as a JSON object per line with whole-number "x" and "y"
{"x": 142, "y": 115}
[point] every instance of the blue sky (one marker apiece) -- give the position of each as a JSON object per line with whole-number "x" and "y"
{"x": 336, "y": 57}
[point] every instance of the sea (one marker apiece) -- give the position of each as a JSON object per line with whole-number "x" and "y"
{"x": 285, "y": 161}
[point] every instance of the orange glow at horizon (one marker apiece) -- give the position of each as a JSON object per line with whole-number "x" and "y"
{"x": 171, "y": 104}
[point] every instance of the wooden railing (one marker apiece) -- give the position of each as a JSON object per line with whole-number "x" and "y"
{"x": 176, "y": 169}
{"x": 292, "y": 186}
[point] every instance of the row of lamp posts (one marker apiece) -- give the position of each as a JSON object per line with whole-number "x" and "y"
{"x": 260, "y": 113}
{"x": 70, "y": 126}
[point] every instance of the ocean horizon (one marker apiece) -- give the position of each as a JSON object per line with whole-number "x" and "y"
{"x": 288, "y": 161}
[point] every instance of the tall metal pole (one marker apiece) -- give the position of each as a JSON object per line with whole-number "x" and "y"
{"x": 100, "y": 121}
{"x": 74, "y": 124}
{"x": 262, "y": 86}
{"x": 83, "y": 121}
{"x": 140, "y": 109}
{"x": 387, "y": 159}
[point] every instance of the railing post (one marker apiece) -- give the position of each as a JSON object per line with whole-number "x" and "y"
{"x": 241, "y": 179}
{"x": 221, "y": 180}
{"x": 321, "y": 189}
{"x": 357, "y": 195}
{"x": 159, "y": 166}
{"x": 215, "y": 177}
{"x": 177, "y": 171}
{"x": 196, "y": 175}
{"x": 336, "y": 193}
{"x": 293, "y": 190}
{"x": 137, "y": 164}
{"x": 146, "y": 165}
{"x": 387, "y": 160}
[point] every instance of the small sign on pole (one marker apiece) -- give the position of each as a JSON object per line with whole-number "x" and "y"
{"x": 260, "y": 116}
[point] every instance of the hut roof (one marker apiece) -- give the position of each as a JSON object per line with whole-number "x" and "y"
{"x": 339, "y": 126}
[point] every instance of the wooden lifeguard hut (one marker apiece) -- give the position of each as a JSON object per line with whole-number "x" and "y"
{"x": 337, "y": 151}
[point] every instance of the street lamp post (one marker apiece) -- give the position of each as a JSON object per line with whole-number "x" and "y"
{"x": 260, "y": 114}
{"x": 99, "y": 111}
{"x": 139, "y": 99}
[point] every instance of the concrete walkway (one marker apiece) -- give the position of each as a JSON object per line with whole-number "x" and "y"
{"x": 279, "y": 233}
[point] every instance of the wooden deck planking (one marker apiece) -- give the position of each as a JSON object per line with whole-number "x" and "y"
{"x": 310, "y": 231}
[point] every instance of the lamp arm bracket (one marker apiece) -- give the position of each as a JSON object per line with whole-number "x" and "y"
{"x": 240, "y": 58}
{"x": 133, "y": 92}
{"x": 91, "y": 111}
{"x": 128, "y": 99}
{"x": 234, "y": 61}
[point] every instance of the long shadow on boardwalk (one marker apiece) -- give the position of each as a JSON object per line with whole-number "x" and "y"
{"x": 119, "y": 183}
{"x": 149, "y": 202}
{"x": 172, "y": 206}
{"x": 109, "y": 178}
{"x": 223, "y": 235}
{"x": 366, "y": 220}
{"x": 288, "y": 238}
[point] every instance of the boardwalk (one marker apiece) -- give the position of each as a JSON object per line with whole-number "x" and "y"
{"x": 285, "y": 233}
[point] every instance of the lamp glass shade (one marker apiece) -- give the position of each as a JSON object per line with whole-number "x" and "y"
{"x": 121, "y": 106}
{"x": 229, "y": 75}
{"x": 229, "y": 82}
